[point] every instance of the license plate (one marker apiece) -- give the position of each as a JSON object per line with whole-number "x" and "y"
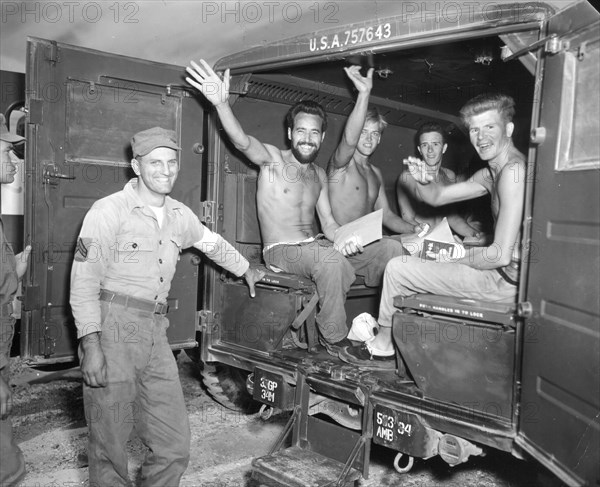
{"x": 270, "y": 388}
{"x": 396, "y": 429}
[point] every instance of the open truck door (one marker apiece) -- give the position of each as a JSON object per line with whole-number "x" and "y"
{"x": 83, "y": 107}
{"x": 560, "y": 399}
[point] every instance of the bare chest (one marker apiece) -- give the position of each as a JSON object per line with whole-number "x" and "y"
{"x": 355, "y": 183}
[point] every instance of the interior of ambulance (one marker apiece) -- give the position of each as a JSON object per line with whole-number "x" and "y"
{"x": 410, "y": 87}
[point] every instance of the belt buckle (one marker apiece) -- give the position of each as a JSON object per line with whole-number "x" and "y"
{"x": 161, "y": 308}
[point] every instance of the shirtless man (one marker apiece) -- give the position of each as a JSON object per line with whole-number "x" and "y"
{"x": 356, "y": 186}
{"x": 290, "y": 188}
{"x": 483, "y": 273}
{"x": 432, "y": 146}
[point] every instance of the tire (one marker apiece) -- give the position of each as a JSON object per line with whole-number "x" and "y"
{"x": 227, "y": 386}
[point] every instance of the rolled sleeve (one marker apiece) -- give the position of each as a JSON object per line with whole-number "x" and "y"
{"x": 221, "y": 252}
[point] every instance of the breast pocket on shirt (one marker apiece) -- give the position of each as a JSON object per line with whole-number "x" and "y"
{"x": 135, "y": 250}
{"x": 176, "y": 246}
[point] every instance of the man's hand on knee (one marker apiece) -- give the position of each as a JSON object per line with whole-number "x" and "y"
{"x": 351, "y": 246}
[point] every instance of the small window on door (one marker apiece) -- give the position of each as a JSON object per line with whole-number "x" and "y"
{"x": 578, "y": 144}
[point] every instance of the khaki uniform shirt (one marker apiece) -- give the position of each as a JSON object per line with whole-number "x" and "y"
{"x": 122, "y": 248}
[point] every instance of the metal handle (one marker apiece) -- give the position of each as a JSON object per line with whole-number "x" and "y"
{"x": 525, "y": 309}
{"x": 538, "y": 135}
{"x": 51, "y": 172}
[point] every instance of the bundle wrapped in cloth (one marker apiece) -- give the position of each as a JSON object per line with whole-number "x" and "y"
{"x": 364, "y": 327}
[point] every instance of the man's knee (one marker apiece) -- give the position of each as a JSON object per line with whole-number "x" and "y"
{"x": 334, "y": 267}
{"x": 399, "y": 265}
{"x": 392, "y": 248}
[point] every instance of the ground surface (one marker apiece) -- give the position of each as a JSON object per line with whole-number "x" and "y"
{"x": 50, "y": 427}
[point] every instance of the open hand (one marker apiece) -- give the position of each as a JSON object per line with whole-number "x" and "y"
{"x": 363, "y": 84}
{"x": 418, "y": 169}
{"x": 206, "y": 81}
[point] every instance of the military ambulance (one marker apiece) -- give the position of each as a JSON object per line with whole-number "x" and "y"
{"x": 522, "y": 379}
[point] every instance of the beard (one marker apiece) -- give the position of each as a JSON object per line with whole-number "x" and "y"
{"x": 305, "y": 159}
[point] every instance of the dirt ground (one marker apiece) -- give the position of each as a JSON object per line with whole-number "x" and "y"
{"x": 50, "y": 428}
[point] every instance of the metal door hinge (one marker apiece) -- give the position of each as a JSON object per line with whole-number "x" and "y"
{"x": 209, "y": 212}
{"x": 52, "y": 52}
{"x": 552, "y": 45}
{"x": 205, "y": 321}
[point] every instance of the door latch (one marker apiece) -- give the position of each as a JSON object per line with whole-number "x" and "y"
{"x": 51, "y": 174}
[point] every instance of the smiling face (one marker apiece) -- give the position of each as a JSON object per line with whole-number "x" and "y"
{"x": 489, "y": 134}
{"x": 8, "y": 162}
{"x": 306, "y": 137}
{"x": 370, "y": 137}
{"x": 432, "y": 148}
{"x": 157, "y": 172}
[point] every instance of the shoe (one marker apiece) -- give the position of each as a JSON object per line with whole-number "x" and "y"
{"x": 361, "y": 356}
{"x": 334, "y": 349}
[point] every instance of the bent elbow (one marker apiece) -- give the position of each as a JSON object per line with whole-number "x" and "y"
{"x": 434, "y": 200}
{"x": 242, "y": 147}
{"x": 504, "y": 258}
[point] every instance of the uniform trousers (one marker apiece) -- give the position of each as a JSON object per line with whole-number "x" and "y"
{"x": 408, "y": 275}
{"x": 333, "y": 275}
{"x": 143, "y": 394}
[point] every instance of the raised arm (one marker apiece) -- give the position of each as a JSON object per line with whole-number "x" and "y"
{"x": 436, "y": 194}
{"x": 216, "y": 91}
{"x": 390, "y": 219}
{"x": 345, "y": 150}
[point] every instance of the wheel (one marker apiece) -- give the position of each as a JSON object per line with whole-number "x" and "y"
{"x": 227, "y": 386}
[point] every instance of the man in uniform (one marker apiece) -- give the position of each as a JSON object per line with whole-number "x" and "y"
{"x": 290, "y": 188}
{"x": 124, "y": 263}
{"x": 12, "y": 465}
{"x": 483, "y": 273}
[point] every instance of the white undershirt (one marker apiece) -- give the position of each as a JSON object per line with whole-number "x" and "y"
{"x": 159, "y": 211}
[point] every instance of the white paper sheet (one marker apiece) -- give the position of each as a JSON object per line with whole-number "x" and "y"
{"x": 367, "y": 228}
